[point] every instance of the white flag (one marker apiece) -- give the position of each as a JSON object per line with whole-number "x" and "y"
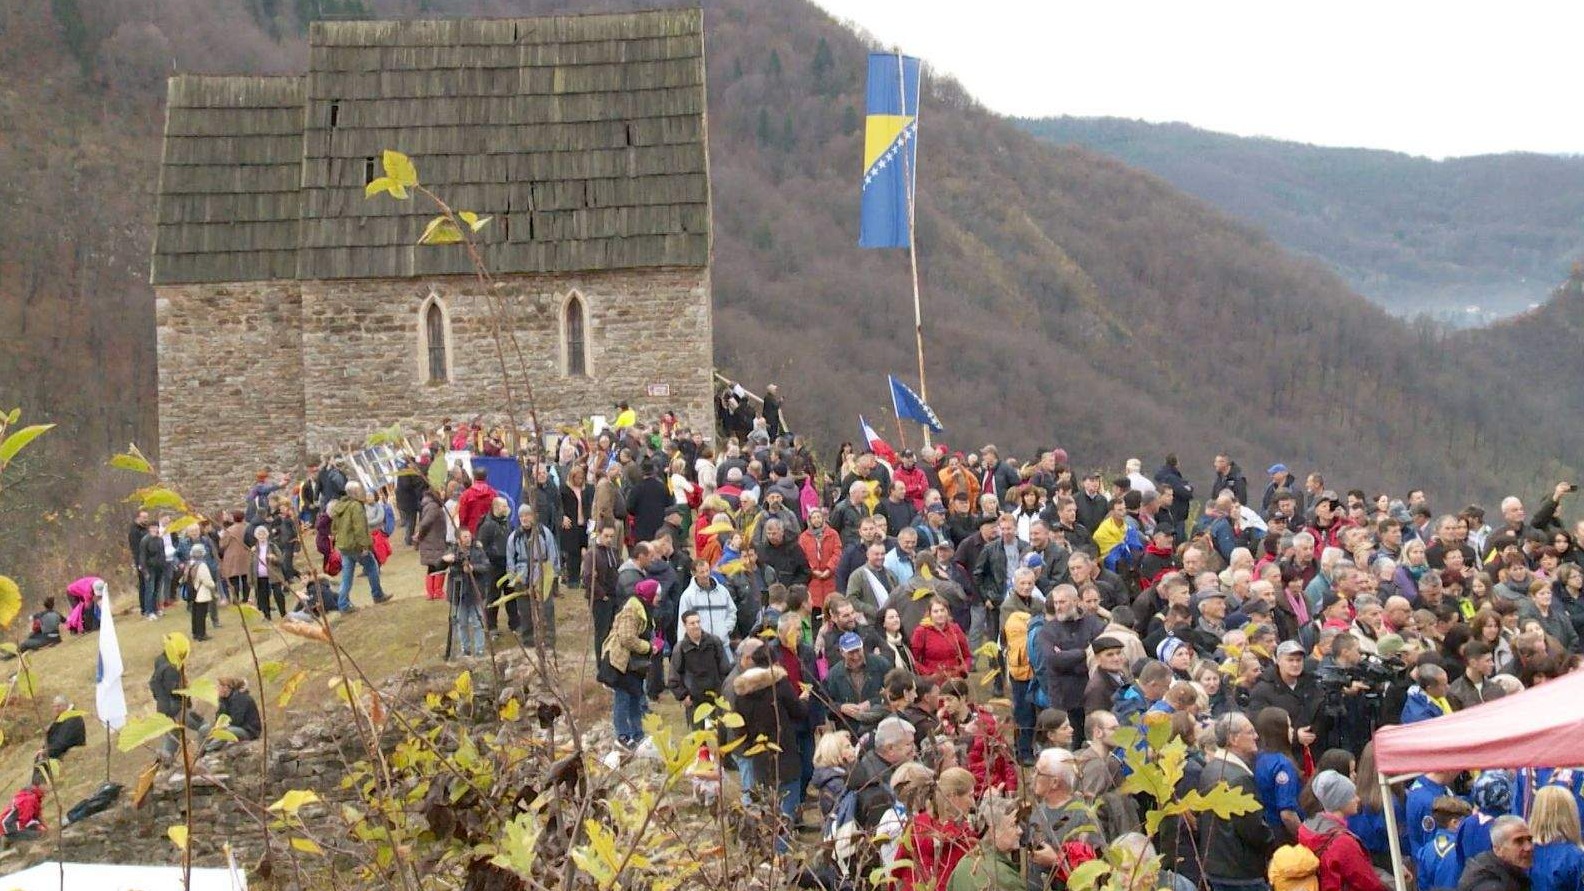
{"x": 111, "y": 700}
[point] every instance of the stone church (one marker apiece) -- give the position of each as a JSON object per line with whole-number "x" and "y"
{"x": 295, "y": 315}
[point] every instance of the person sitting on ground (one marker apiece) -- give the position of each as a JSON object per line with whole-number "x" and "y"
{"x": 64, "y": 734}
{"x": 46, "y": 628}
{"x": 237, "y": 704}
{"x": 24, "y": 819}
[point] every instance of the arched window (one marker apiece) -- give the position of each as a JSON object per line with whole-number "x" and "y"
{"x": 576, "y": 343}
{"x": 433, "y": 341}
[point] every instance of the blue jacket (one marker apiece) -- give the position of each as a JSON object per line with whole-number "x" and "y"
{"x": 1558, "y": 866}
{"x": 1473, "y": 835}
{"x": 1437, "y": 863}
{"x": 1421, "y": 823}
{"x": 1419, "y": 707}
{"x": 1277, "y": 781}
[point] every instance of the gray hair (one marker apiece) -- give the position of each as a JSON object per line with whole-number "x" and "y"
{"x": 1503, "y": 828}
{"x": 1304, "y": 541}
{"x": 994, "y": 809}
{"x": 891, "y": 732}
{"x": 354, "y": 489}
{"x": 1135, "y": 847}
{"x": 1057, "y": 764}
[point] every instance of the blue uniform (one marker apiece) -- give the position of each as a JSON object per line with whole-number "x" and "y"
{"x": 1370, "y": 827}
{"x": 1437, "y": 864}
{"x": 1276, "y": 782}
{"x": 1558, "y": 866}
{"x": 1473, "y": 835}
{"x": 1421, "y": 823}
{"x": 1570, "y": 778}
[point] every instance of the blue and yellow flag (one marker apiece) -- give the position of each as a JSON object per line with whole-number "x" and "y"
{"x": 890, "y": 150}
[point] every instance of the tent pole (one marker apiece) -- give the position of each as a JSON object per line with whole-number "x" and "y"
{"x": 1388, "y": 806}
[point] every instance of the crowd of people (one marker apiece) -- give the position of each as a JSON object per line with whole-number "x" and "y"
{"x": 866, "y": 618}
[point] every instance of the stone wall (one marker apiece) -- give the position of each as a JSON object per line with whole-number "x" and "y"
{"x": 230, "y": 397}
{"x": 264, "y": 373}
{"x": 364, "y": 366}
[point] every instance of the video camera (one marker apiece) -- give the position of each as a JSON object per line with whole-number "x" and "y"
{"x": 1375, "y": 673}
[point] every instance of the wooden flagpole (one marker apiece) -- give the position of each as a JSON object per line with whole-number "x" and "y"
{"x": 908, "y": 175}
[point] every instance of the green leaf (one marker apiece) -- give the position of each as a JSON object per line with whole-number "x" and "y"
{"x": 134, "y": 463}
{"x": 178, "y": 835}
{"x": 1087, "y": 875}
{"x": 254, "y": 617}
{"x": 177, "y": 647}
{"x": 17, "y": 441}
{"x": 400, "y": 168}
{"x": 141, "y": 730}
{"x": 271, "y": 670}
{"x": 10, "y": 600}
{"x": 289, "y": 689}
{"x": 13, "y": 415}
{"x": 702, "y": 711}
{"x": 307, "y": 846}
{"x": 474, "y": 221}
{"x": 441, "y": 231}
{"x": 294, "y": 801}
{"x": 732, "y": 720}
{"x": 204, "y": 690}
{"x": 385, "y": 184}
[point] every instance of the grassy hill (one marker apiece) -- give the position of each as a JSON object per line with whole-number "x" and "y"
{"x": 1413, "y": 234}
{"x": 1069, "y": 298}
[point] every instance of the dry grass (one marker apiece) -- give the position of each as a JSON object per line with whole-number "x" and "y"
{"x": 383, "y": 640}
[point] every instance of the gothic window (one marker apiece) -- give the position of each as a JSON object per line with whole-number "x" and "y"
{"x": 433, "y": 342}
{"x": 576, "y": 342}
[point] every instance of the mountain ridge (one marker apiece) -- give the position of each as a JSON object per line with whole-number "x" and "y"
{"x": 1412, "y": 233}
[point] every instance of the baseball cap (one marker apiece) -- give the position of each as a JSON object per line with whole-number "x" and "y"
{"x": 1208, "y": 593}
{"x": 1329, "y": 495}
{"x": 936, "y": 508}
{"x": 1277, "y": 468}
{"x": 1289, "y": 647}
{"x": 1279, "y": 517}
{"x": 1389, "y": 645}
{"x": 849, "y": 641}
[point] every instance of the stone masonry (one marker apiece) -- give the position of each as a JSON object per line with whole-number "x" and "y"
{"x": 264, "y": 373}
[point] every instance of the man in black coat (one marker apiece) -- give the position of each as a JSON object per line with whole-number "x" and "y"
{"x": 1505, "y": 867}
{"x": 1169, "y": 476}
{"x": 871, "y": 776}
{"x": 493, "y": 532}
{"x": 646, "y": 503}
{"x": 1293, "y": 690}
{"x": 409, "y": 492}
{"x": 781, "y": 552}
{"x": 699, "y": 666}
{"x": 1092, "y": 503}
{"x": 1065, "y": 640}
{"x": 1235, "y": 850}
{"x": 1229, "y": 476}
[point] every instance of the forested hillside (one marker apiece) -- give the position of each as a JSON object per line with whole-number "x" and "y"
{"x": 1069, "y": 298}
{"x": 1413, "y": 234}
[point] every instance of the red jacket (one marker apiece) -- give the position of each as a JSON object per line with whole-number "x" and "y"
{"x": 940, "y": 653}
{"x": 1329, "y": 537}
{"x": 989, "y": 757}
{"x": 933, "y": 847}
{"x": 1344, "y": 866}
{"x": 824, "y": 553}
{"x": 917, "y": 484}
{"x": 474, "y": 505}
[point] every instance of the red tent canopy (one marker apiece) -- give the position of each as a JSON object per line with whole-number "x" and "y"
{"x": 1539, "y": 727}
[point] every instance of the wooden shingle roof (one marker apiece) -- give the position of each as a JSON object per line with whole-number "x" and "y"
{"x": 230, "y": 180}
{"x": 583, "y": 136}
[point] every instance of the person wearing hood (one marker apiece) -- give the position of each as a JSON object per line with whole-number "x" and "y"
{"x": 1344, "y": 864}
{"x": 626, "y": 660}
{"x": 1427, "y": 698}
{"x": 772, "y": 709}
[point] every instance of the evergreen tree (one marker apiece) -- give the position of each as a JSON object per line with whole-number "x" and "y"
{"x": 823, "y": 69}
{"x": 788, "y": 135}
{"x": 849, "y": 121}
{"x": 68, "y": 14}
{"x": 737, "y": 71}
{"x": 765, "y": 135}
{"x": 775, "y": 65}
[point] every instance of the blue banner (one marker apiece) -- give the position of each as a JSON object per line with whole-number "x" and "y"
{"x": 506, "y": 478}
{"x": 890, "y": 150}
{"x": 909, "y": 407}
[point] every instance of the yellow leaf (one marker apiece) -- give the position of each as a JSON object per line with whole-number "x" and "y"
{"x": 18, "y": 440}
{"x": 204, "y": 690}
{"x": 13, "y": 415}
{"x": 289, "y": 689}
{"x": 400, "y": 168}
{"x": 10, "y": 600}
{"x": 474, "y": 221}
{"x": 988, "y": 650}
{"x": 1086, "y": 876}
{"x": 385, "y": 184}
{"x": 180, "y": 524}
{"x": 134, "y": 463}
{"x": 440, "y": 231}
{"x": 511, "y": 710}
{"x": 294, "y": 801}
{"x": 157, "y": 498}
{"x": 141, "y": 730}
{"x": 464, "y": 685}
{"x": 307, "y": 846}
{"x": 252, "y": 615}
{"x": 728, "y": 747}
{"x": 177, "y": 647}
{"x": 922, "y": 593}
{"x": 703, "y": 711}
{"x": 178, "y": 835}
{"x": 732, "y": 720}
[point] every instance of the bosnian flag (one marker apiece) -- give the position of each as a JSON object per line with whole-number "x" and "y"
{"x": 109, "y": 697}
{"x": 882, "y": 450}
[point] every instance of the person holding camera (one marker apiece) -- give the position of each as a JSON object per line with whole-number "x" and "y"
{"x": 1352, "y": 692}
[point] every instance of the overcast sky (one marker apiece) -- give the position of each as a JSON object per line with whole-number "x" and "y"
{"x": 1439, "y": 79}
